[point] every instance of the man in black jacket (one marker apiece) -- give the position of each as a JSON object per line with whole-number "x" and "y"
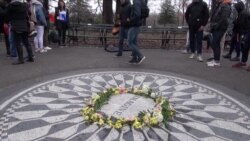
{"x": 124, "y": 24}
{"x": 17, "y": 16}
{"x": 219, "y": 25}
{"x": 244, "y": 23}
{"x": 197, "y": 15}
{"x": 135, "y": 21}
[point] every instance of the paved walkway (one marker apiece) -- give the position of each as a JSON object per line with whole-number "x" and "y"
{"x": 41, "y": 100}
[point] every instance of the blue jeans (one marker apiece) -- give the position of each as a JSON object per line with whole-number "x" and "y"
{"x": 13, "y": 50}
{"x": 123, "y": 34}
{"x": 132, "y": 42}
{"x": 195, "y": 38}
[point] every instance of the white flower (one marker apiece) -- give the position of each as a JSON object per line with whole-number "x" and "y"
{"x": 153, "y": 95}
{"x": 145, "y": 89}
{"x": 159, "y": 117}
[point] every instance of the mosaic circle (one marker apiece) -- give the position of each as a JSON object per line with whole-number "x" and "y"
{"x": 50, "y": 111}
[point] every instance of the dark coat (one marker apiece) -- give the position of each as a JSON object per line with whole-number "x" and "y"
{"x": 197, "y": 15}
{"x": 124, "y": 13}
{"x": 135, "y": 16}
{"x": 17, "y": 15}
{"x": 60, "y": 24}
{"x": 219, "y": 19}
{"x": 242, "y": 22}
{"x": 2, "y": 16}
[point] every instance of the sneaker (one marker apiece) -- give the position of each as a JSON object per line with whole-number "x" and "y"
{"x": 30, "y": 60}
{"x": 210, "y": 59}
{"x": 18, "y": 63}
{"x": 43, "y": 51}
{"x": 185, "y": 51}
{"x": 37, "y": 50}
{"x": 248, "y": 68}
{"x": 132, "y": 61}
{"x": 47, "y": 48}
{"x": 210, "y": 62}
{"x": 235, "y": 59}
{"x": 192, "y": 56}
{"x": 118, "y": 55}
{"x": 199, "y": 58}
{"x": 213, "y": 64}
{"x": 140, "y": 60}
{"x": 227, "y": 56}
{"x": 239, "y": 64}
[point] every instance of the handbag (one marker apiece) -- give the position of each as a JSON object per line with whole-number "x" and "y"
{"x": 115, "y": 30}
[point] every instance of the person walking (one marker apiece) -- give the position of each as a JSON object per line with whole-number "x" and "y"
{"x": 124, "y": 14}
{"x": 61, "y": 21}
{"x": 135, "y": 21}
{"x": 196, "y": 15}
{"x": 17, "y": 12}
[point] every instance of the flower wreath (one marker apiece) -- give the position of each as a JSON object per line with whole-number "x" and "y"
{"x": 161, "y": 113}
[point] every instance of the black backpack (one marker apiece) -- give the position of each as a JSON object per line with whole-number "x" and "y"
{"x": 144, "y": 10}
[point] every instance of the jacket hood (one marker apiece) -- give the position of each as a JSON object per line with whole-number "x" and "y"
{"x": 36, "y": 2}
{"x": 195, "y": 1}
{"x": 227, "y": 1}
{"x": 240, "y": 6}
{"x": 16, "y": 2}
{"x": 126, "y": 3}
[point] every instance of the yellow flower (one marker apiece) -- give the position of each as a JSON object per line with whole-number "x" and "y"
{"x": 137, "y": 125}
{"x": 146, "y": 118}
{"x": 118, "y": 124}
{"x": 110, "y": 122}
{"x": 153, "y": 120}
{"x": 86, "y": 117}
{"x": 94, "y": 117}
{"x": 117, "y": 92}
{"x": 101, "y": 122}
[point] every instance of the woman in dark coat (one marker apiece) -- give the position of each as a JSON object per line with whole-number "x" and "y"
{"x": 61, "y": 21}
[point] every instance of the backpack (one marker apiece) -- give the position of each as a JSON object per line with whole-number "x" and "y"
{"x": 53, "y": 37}
{"x": 233, "y": 16}
{"x": 144, "y": 10}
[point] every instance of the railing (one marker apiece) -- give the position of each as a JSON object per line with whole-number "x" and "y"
{"x": 161, "y": 37}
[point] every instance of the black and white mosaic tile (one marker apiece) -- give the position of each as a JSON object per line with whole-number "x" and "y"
{"x": 50, "y": 111}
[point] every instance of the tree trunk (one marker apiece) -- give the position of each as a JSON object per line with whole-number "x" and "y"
{"x": 107, "y": 12}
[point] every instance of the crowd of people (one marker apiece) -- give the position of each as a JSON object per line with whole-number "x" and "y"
{"x": 227, "y": 19}
{"x": 21, "y": 21}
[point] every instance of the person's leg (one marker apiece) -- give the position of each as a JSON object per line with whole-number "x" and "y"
{"x": 19, "y": 48}
{"x": 12, "y": 44}
{"x": 216, "y": 44}
{"x": 64, "y": 36}
{"x": 59, "y": 36}
{"x": 121, "y": 40}
{"x": 25, "y": 40}
{"x": 192, "y": 42}
{"x": 132, "y": 40}
{"x": 245, "y": 49}
{"x": 36, "y": 41}
{"x": 222, "y": 42}
{"x": 40, "y": 33}
{"x": 7, "y": 44}
{"x": 232, "y": 46}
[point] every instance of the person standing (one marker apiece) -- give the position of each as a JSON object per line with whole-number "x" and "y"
{"x": 124, "y": 24}
{"x": 197, "y": 15}
{"x": 4, "y": 28}
{"x": 135, "y": 21}
{"x": 61, "y": 21}
{"x": 244, "y": 22}
{"x": 18, "y": 17}
{"x": 37, "y": 12}
{"x": 219, "y": 25}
